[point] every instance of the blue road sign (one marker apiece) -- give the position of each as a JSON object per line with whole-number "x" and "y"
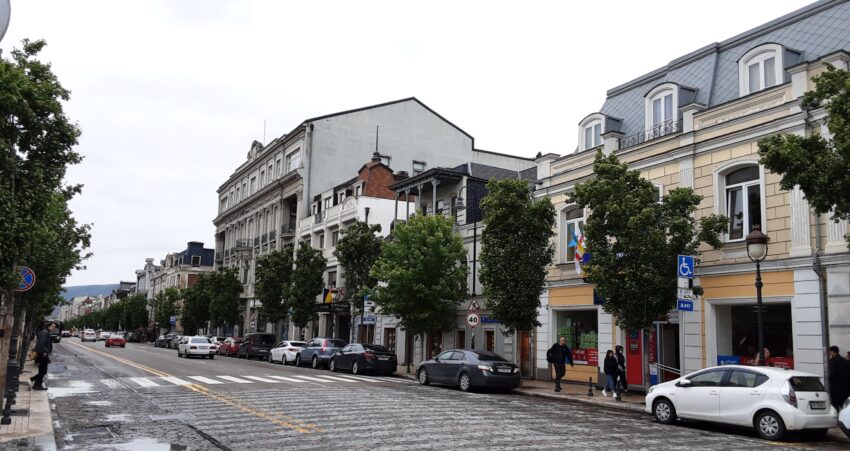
{"x": 27, "y": 279}
{"x": 685, "y": 266}
{"x": 173, "y": 320}
{"x": 685, "y": 305}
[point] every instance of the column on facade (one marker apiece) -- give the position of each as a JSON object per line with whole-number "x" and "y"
{"x": 835, "y": 232}
{"x": 801, "y": 241}
{"x": 407, "y": 204}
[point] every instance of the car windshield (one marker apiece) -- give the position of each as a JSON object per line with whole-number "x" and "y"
{"x": 378, "y": 348}
{"x": 487, "y": 355}
{"x": 200, "y": 340}
{"x": 806, "y": 383}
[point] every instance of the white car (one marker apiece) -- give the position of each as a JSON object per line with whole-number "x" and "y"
{"x": 103, "y": 335}
{"x": 88, "y": 335}
{"x": 844, "y": 418}
{"x": 200, "y": 346}
{"x": 285, "y": 351}
{"x": 771, "y": 400}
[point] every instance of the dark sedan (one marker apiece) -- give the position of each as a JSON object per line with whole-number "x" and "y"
{"x": 363, "y": 358}
{"x": 468, "y": 369}
{"x": 163, "y": 340}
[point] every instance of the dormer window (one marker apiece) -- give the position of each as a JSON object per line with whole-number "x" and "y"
{"x": 760, "y": 68}
{"x": 590, "y": 131}
{"x": 661, "y": 111}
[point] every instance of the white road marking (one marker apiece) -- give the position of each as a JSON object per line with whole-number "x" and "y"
{"x": 234, "y": 379}
{"x": 333, "y": 378}
{"x": 205, "y": 380}
{"x": 144, "y": 382}
{"x": 397, "y": 380}
{"x": 261, "y": 379}
{"x": 360, "y": 378}
{"x": 175, "y": 380}
{"x": 287, "y": 379}
{"x": 311, "y": 378}
{"x": 111, "y": 383}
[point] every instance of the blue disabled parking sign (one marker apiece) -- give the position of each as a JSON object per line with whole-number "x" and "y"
{"x": 685, "y": 266}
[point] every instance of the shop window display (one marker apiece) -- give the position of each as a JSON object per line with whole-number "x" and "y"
{"x": 581, "y": 331}
{"x": 737, "y": 334}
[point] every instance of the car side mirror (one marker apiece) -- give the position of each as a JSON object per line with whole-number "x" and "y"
{"x": 684, "y": 383}
{"x": 436, "y": 359}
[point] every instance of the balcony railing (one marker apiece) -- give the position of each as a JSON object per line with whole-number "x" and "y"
{"x": 265, "y": 238}
{"x": 272, "y": 235}
{"x": 657, "y": 131}
{"x": 287, "y": 230}
{"x": 317, "y": 218}
{"x": 243, "y": 243}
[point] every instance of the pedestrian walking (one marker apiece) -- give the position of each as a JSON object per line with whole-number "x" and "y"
{"x": 609, "y": 366}
{"x": 839, "y": 378}
{"x": 43, "y": 349}
{"x": 621, "y": 369}
{"x": 559, "y": 355}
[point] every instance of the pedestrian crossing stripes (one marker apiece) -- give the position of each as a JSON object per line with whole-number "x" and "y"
{"x": 171, "y": 381}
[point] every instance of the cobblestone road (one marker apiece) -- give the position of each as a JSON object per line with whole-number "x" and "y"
{"x": 153, "y": 400}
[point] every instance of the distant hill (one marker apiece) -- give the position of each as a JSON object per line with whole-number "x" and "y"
{"x": 88, "y": 290}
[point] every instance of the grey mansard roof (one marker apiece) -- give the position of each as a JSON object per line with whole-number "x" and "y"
{"x": 807, "y": 34}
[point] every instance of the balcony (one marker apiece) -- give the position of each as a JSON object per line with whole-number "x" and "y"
{"x": 318, "y": 217}
{"x": 272, "y": 236}
{"x": 256, "y": 241}
{"x": 243, "y": 244}
{"x": 657, "y": 131}
{"x": 287, "y": 230}
{"x": 265, "y": 238}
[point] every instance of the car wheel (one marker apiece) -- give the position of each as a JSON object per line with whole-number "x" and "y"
{"x": 297, "y": 360}
{"x": 769, "y": 425}
{"x": 422, "y": 376}
{"x": 663, "y": 411}
{"x": 332, "y": 366}
{"x": 355, "y": 368}
{"x": 315, "y": 363}
{"x": 283, "y": 360}
{"x": 212, "y": 357}
{"x": 463, "y": 382}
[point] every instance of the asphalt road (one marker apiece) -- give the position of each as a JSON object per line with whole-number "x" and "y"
{"x": 146, "y": 398}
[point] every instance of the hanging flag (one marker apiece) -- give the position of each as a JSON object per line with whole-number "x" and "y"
{"x": 579, "y": 245}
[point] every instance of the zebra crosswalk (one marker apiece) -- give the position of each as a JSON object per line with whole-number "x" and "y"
{"x": 220, "y": 380}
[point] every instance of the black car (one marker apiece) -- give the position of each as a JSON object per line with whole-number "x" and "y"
{"x": 257, "y": 345}
{"x": 318, "y": 352}
{"x": 163, "y": 340}
{"x": 364, "y": 358}
{"x": 172, "y": 344}
{"x": 467, "y": 369}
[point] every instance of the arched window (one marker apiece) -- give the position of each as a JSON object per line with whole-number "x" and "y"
{"x": 760, "y": 68}
{"x": 661, "y": 110}
{"x": 743, "y": 198}
{"x": 590, "y": 132}
{"x": 572, "y": 229}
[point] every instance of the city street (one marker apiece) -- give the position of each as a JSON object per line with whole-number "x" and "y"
{"x": 142, "y": 397}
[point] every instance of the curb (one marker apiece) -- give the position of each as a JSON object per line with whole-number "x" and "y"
{"x": 620, "y": 405}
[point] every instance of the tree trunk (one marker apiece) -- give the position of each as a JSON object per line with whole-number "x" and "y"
{"x": 7, "y": 309}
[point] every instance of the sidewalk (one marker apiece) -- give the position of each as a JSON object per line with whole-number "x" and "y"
{"x": 572, "y": 392}
{"x": 32, "y": 425}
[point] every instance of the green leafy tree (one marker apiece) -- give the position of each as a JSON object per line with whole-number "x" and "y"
{"x": 821, "y": 167}
{"x": 196, "y": 303}
{"x": 166, "y": 306}
{"x": 135, "y": 312}
{"x": 633, "y": 240}
{"x": 357, "y": 251}
{"x": 423, "y": 274}
{"x": 273, "y": 278}
{"x": 307, "y": 283}
{"x": 225, "y": 289}
{"x": 516, "y": 250}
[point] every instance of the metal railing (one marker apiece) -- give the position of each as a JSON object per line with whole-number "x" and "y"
{"x": 317, "y": 218}
{"x": 243, "y": 243}
{"x": 265, "y": 238}
{"x": 287, "y": 229}
{"x": 657, "y": 131}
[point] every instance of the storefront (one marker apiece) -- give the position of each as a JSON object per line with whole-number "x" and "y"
{"x": 581, "y": 329}
{"x": 737, "y": 334}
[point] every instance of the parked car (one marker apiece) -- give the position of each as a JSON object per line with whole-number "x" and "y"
{"x": 174, "y": 342}
{"x": 468, "y": 369}
{"x": 88, "y": 335}
{"x": 103, "y": 335}
{"x": 163, "y": 340}
{"x": 217, "y": 340}
{"x": 773, "y": 400}
{"x": 318, "y": 352}
{"x": 116, "y": 339}
{"x": 229, "y": 347}
{"x": 844, "y": 418}
{"x": 66, "y": 334}
{"x": 257, "y": 345}
{"x": 196, "y": 346}
{"x": 285, "y": 351}
{"x": 364, "y": 358}
{"x": 135, "y": 337}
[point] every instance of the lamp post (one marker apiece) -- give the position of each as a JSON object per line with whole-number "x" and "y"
{"x": 757, "y": 251}
{"x": 460, "y": 205}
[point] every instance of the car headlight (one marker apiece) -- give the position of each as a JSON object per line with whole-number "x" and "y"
{"x": 485, "y": 368}
{"x": 516, "y": 370}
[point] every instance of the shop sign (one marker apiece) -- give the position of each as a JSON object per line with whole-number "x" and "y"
{"x": 369, "y": 319}
{"x": 685, "y": 305}
{"x": 728, "y": 360}
{"x": 487, "y": 320}
{"x": 586, "y": 356}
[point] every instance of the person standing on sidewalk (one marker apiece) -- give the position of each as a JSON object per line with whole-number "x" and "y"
{"x": 558, "y": 355}
{"x": 839, "y": 378}
{"x": 621, "y": 369}
{"x": 611, "y": 372}
{"x": 43, "y": 349}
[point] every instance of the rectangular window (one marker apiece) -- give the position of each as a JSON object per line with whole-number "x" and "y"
{"x": 358, "y": 190}
{"x": 656, "y": 111}
{"x": 769, "y": 72}
{"x": 196, "y": 260}
{"x": 334, "y": 238}
{"x": 597, "y": 135}
{"x": 588, "y": 137}
{"x": 332, "y": 279}
{"x": 253, "y": 185}
{"x": 755, "y": 77}
{"x": 418, "y": 167}
{"x": 753, "y": 206}
{"x": 460, "y": 342}
{"x": 322, "y": 241}
{"x": 328, "y": 203}
{"x": 735, "y": 201}
{"x": 277, "y": 167}
{"x": 668, "y": 107}
{"x": 293, "y": 161}
{"x": 490, "y": 338}
{"x": 262, "y": 178}
{"x": 389, "y": 339}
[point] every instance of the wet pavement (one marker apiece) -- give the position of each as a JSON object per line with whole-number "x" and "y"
{"x": 144, "y": 398}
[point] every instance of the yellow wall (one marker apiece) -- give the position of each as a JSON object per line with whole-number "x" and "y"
{"x": 581, "y": 295}
{"x": 743, "y": 285}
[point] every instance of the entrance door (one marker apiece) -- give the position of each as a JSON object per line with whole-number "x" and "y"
{"x": 669, "y": 345}
{"x": 525, "y": 362}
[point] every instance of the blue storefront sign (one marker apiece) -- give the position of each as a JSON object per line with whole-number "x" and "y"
{"x": 728, "y": 360}
{"x": 487, "y": 320}
{"x": 685, "y": 305}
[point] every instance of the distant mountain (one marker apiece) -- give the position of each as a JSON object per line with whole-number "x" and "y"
{"x": 88, "y": 290}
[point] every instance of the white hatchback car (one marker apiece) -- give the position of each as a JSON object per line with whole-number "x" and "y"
{"x": 285, "y": 351}
{"x": 201, "y": 346}
{"x": 771, "y": 400}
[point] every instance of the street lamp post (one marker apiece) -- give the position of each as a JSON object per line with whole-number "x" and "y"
{"x": 459, "y": 204}
{"x": 757, "y": 251}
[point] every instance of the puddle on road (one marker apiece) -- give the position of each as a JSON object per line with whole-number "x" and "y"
{"x": 99, "y": 403}
{"x": 142, "y": 444}
{"x": 118, "y": 417}
{"x": 76, "y": 388}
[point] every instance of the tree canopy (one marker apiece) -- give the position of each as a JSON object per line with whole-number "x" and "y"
{"x": 166, "y": 306}
{"x": 634, "y": 240}
{"x": 273, "y": 278}
{"x": 224, "y": 289}
{"x": 422, "y": 274}
{"x": 357, "y": 251}
{"x": 820, "y": 165}
{"x": 307, "y": 283}
{"x": 516, "y": 251}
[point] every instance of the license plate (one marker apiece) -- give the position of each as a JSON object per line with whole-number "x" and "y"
{"x": 203, "y": 347}
{"x": 383, "y": 357}
{"x": 504, "y": 370}
{"x": 817, "y": 405}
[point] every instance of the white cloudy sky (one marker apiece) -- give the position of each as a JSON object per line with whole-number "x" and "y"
{"x": 170, "y": 94}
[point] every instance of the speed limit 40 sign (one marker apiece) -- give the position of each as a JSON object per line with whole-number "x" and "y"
{"x": 472, "y": 319}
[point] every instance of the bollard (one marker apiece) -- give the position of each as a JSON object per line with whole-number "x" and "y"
{"x": 590, "y": 386}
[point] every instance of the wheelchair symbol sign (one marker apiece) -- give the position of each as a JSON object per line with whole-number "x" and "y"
{"x": 686, "y": 266}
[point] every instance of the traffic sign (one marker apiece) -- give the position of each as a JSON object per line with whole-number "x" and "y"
{"x": 472, "y": 319}
{"x": 27, "y": 278}
{"x": 685, "y": 266}
{"x": 172, "y": 320}
{"x": 685, "y": 305}
{"x": 474, "y": 306}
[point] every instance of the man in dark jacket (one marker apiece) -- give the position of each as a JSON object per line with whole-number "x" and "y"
{"x": 839, "y": 378}
{"x": 621, "y": 369}
{"x": 43, "y": 348}
{"x": 559, "y": 355}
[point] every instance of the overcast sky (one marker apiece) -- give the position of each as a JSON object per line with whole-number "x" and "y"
{"x": 170, "y": 94}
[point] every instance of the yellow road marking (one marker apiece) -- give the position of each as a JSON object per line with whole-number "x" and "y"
{"x": 284, "y": 420}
